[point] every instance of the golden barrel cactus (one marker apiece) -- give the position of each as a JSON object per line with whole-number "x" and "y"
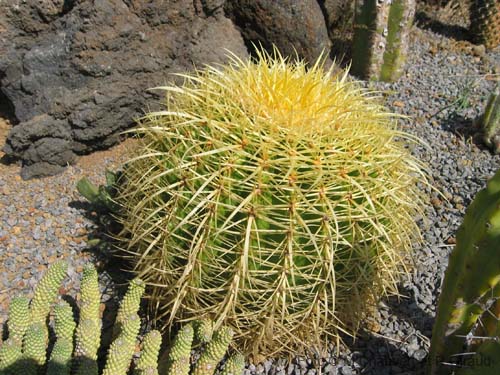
{"x": 278, "y": 198}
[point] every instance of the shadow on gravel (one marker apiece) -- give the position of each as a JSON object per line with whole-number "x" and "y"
{"x": 456, "y": 32}
{"x": 407, "y": 310}
{"x": 379, "y": 356}
{"x": 464, "y": 128}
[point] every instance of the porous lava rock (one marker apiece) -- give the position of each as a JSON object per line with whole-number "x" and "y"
{"x": 77, "y": 73}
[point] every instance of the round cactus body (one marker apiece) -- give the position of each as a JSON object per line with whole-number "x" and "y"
{"x": 276, "y": 197}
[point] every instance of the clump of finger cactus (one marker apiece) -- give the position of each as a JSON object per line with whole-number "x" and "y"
{"x": 26, "y": 351}
{"x": 485, "y": 22}
{"x": 276, "y": 197}
{"x": 381, "y": 38}
{"x": 469, "y": 305}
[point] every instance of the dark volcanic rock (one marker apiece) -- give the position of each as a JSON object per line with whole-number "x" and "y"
{"x": 77, "y": 73}
{"x": 291, "y": 25}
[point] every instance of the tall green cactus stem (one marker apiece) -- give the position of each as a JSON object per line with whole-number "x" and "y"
{"x": 148, "y": 360}
{"x": 178, "y": 357}
{"x": 64, "y": 324}
{"x": 60, "y": 357}
{"x": 485, "y": 22}
{"x": 90, "y": 294}
{"x": 122, "y": 349}
{"x": 87, "y": 342}
{"x": 234, "y": 365}
{"x": 35, "y": 347}
{"x": 129, "y": 304}
{"x": 46, "y": 291}
{"x": 64, "y": 328}
{"x": 203, "y": 330}
{"x": 88, "y": 331}
{"x": 472, "y": 276}
{"x": 214, "y": 352}
{"x": 381, "y": 38}
{"x": 490, "y": 121}
{"x": 10, "y": 355}
{"x": 19, "y": 319}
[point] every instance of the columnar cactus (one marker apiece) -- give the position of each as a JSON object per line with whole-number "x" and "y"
{"x": 19, "y": 319}
{"x": 485, "y": 22}
{"x": 46, "y": 291}
{"x": 25, "y": 351}
{"x": 62, "y": 352}
{"x": 88, "y": 338}
{"x": 129, "y": 304}
{"x": 471, "y": 279}
{"x": 381, "y": 38}
{"x": 214, "y": 350}
{"x": 148, "y": 361}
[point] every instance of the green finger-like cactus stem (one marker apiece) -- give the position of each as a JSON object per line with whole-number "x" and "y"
{"x": 46, "y": 291}
{"x": 203, "y": 330}
{"x": 234, "y": 365}
{"x": 214, "y": 352}
{"x": 471, "y": 277}
{"x": 64, "y": 324}
{"x": 19, "y": 318}
{"x": 148, "y": 360}
{"x": 122, "y": 349}
{"x": 60, "y": 357}
{"x": 177, "y": 362}
{"x": 35, "y": 344}
{"x": 129, "y": 304}
{"x": 10, "y": 354}
{"x": 90, "y": 294}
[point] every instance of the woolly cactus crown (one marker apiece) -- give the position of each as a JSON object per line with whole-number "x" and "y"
{"x": 276, "y": 196}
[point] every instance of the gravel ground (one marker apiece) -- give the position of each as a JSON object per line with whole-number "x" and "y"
{"x": 444, "y": 89}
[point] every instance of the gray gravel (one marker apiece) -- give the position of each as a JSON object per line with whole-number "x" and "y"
{"x": 445, "y": 88}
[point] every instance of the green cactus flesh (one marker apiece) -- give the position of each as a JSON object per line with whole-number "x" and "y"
{"x": 122, "y": 348}
{"x": 90, "y": 294}
{"x": 10, "y": 354}
{"x": 18, "y": 318}
{"x": 381, "y": 38}
{"x": 471, "y": 277}
{"x": 87, "y": 339}
{"x": 203, "y": 330}
{"x": 148, "y": 360}
{"x": 485, "y": 22}
{"x": 234, "y": 365}
{"x": 177, "y": 362}
{"x": 46, "y": 291}
{"x": 64, "y": 324}
{"x": 35, "y": 343}
{"x": 490, "y": 121}
{"x": 266, "y": 190}
{"x": 129, "y": 304}
{"x": 486, "y": 361}
{"x": 60, "y": 357}
{"x": 86, "y": 366}
{"x": 214, "y": 352}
